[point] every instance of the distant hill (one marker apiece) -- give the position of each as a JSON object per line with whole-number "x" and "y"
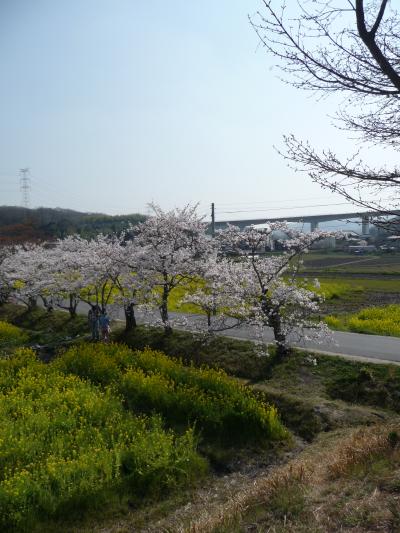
{"x": 19, "y": 224}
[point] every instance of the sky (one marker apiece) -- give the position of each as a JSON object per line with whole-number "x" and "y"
{"x": 113, "y": 104}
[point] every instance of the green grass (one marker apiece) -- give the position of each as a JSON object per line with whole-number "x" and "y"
{"x": 178, "y": 293}
{"x": 331, "y": 289}
{"x": 43, "y": 327}
{"x": 373, "y": 320}
{"x": 334, "y": 377}
{"x": 360, "y": 284}
{"x": 237, "y": 357}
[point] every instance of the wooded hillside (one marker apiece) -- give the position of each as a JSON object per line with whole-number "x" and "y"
{"x": 19, "y": 224}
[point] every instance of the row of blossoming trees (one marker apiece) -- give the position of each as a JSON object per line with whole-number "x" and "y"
{"x": 170, "y": 250}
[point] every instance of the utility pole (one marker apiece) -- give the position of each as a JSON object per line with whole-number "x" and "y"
{"x": 25, "y": 186}
{"x": 213, "y": 219}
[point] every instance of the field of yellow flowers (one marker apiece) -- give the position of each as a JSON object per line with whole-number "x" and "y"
{"x": 383, "y": 320}
{"x": 104, "y": 419}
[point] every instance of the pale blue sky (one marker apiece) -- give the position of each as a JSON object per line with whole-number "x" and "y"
{"x": 116, "y": 103}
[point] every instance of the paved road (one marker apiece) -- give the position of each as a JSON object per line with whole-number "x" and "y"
{"x": 353, "y": 345}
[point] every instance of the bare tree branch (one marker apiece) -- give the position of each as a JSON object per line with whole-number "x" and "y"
{"x": 341, "y": 46}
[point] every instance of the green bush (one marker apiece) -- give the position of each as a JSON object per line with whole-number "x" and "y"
{"x": 149, "y": 381}
{"x": 11, "y": 335}
{"x": 101, "y": 364}
{"x": 333, "y": 322}
{"x": 64, "y": 440}
{"x": 365, "y": 386}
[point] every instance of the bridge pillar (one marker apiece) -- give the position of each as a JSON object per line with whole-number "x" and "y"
{"x": 365, "y": 225}
{"x": 314, "y": 225}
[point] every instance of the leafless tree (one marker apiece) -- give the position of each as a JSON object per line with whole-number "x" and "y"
{"x": 350, "y": 47}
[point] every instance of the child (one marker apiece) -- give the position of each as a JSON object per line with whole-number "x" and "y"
{"x": 105, "y": 327}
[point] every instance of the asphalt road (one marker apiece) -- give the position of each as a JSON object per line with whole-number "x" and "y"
{"x": 376, "y": 348}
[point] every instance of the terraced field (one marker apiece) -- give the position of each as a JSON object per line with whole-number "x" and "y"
{"x": 349, "y": 264}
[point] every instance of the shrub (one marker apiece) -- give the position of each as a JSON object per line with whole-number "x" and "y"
{"x": 333, "y": 321}
{"x": 43, "y": 327}
{"x": 366, "y": 386}
{"x": 84, "y": 443}
{"x": 11, "y": 335}
{"x": 99, "y": 363}
{"x": 149, "y": 381}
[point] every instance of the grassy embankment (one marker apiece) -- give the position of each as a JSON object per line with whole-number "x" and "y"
{"x": 337, "y": 480}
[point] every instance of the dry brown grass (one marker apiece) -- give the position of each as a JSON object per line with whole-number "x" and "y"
{"x": 314, "y": 471}
{"x": 255, "y": 493}
{"x": 361, "y": 447}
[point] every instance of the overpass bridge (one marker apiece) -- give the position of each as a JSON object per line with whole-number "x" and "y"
{"x": 313, "y": 220}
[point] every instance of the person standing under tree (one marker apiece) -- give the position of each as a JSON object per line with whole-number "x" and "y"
{"x": 105, "y": 326}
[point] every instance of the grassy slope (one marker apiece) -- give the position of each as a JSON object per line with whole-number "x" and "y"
{"x": 43, "y": 327}
{"x": 325, "y": 476}
{"x": 237, "y": 357}
{"x": 348, "y": 477}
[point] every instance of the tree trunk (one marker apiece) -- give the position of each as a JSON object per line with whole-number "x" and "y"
{"x": 282, "y": 349}
{"x": 32, "y": 303}
{"x": 164, "y": 310}
{"x": 47, "y": 304}
{"x": 73, "y": 304}
{"x": 130, "y": 319}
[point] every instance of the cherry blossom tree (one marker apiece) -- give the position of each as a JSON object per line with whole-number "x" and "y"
{"x": 133, "y": 287}
{"x": 223, "y": 307}
{"x": 25, "y": 272}
{"x": 262, "y": 290}
{"x": 97, "y": 265}
{"x": 174, "y": 245}
{"x": 66, "y": 273}
{"x": 5, "y": 287}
